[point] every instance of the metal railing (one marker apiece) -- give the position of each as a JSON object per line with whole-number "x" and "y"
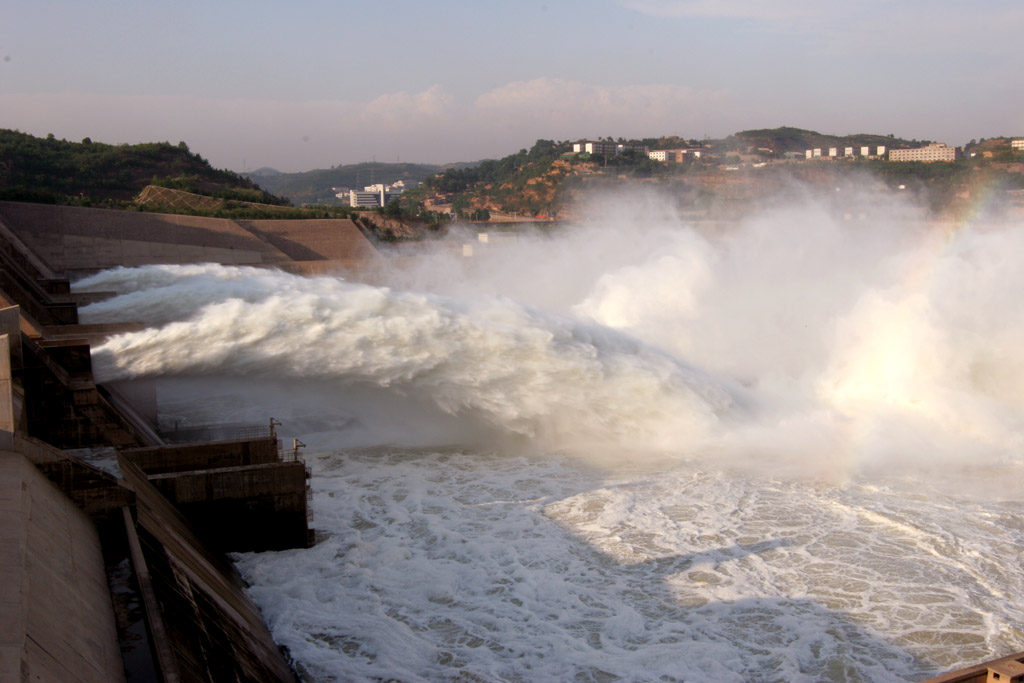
{"x": 253, "y": 433}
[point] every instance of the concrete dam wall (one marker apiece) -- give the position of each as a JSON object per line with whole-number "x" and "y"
{"x": 56, "y": 621}
{"x": 72, "y": 240}
{"x": 107, "y": 572}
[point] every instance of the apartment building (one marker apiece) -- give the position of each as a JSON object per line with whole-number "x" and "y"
{"x": 375, "y": 195}
{"x": 589, "y": 147}
{"x": 936, "y": 151}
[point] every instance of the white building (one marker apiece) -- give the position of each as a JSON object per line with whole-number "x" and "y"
{"x": 375, "y": 195}
{"x": 936, "y": 151}
{"x": 585, "y": 147}
{"x": 588, "y": 147}
{"x": 1017, "y": 144}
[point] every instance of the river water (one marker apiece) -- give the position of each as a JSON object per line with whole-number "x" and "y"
{"x": 628, "y": 451}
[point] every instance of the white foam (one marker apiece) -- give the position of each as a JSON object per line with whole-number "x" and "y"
{"x": 828, "y": 415}
{"x": 509, "y": 567}
{"x": 563, "y": 382}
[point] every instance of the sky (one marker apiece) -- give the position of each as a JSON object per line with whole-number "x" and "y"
{"x": 314, "y": 83}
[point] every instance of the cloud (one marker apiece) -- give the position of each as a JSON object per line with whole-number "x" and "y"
{"x": 432, "y": 103}
{"x": 574, "y": 109}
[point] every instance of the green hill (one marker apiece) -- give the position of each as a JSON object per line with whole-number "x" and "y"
{"x": 52, "y": 171}
{"x": 742, "y": 170}
{"x": 787, "y": 139}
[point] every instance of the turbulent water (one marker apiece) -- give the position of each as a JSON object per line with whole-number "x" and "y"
{"x": 786, "y": 449}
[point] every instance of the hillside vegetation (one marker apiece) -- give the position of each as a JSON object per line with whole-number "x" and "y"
{"x": 548, "y": 181}
{"x": 731, "y": 175}
{"x": 52, "y": 171}
{"x": 777, "y": 141}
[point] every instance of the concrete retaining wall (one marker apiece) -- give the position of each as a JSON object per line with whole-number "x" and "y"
{"x": 206, "y": 628}
{"x": 254, "y": 508}
{"x": 73, "y": 238}
{"x": 331, "y": 239}
{"x": 198, "y": 456}
{"x": 56, "y": 620}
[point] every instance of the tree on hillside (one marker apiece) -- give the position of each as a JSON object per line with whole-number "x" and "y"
{"x": 393, "y": 209}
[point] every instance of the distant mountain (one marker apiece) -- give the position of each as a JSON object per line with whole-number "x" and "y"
{"x": 264, "y": 171}
{"x": 316, "y": 187}
{"x": 48, "y": 170}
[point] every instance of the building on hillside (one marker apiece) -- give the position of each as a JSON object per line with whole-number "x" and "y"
{"x": 1017, "y": 144}
{"x": 598, "y": 147}
{"x": 585, "y": 147}
{"x": 620, "y": 148}
{"x": 676, "y": 155}
{"x": 837, "y": 152}
{"x": 936, "y": 151}
{"x": 375, "y": 195}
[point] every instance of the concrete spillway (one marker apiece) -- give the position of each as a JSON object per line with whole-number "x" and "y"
{"x": 72, "y": 240}
{"x": 100, "y": 573}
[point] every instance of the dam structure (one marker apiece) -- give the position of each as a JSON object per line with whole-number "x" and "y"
{"x": 114, "y": 532}
{"x": 112, "y": 549}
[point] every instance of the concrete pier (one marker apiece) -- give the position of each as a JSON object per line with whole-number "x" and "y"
{"x": 239, "y": 495}
{"x": 1003, "y": 670}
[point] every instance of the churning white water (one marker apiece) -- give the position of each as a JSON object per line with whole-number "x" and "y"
{"x": 787, "y": 449}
